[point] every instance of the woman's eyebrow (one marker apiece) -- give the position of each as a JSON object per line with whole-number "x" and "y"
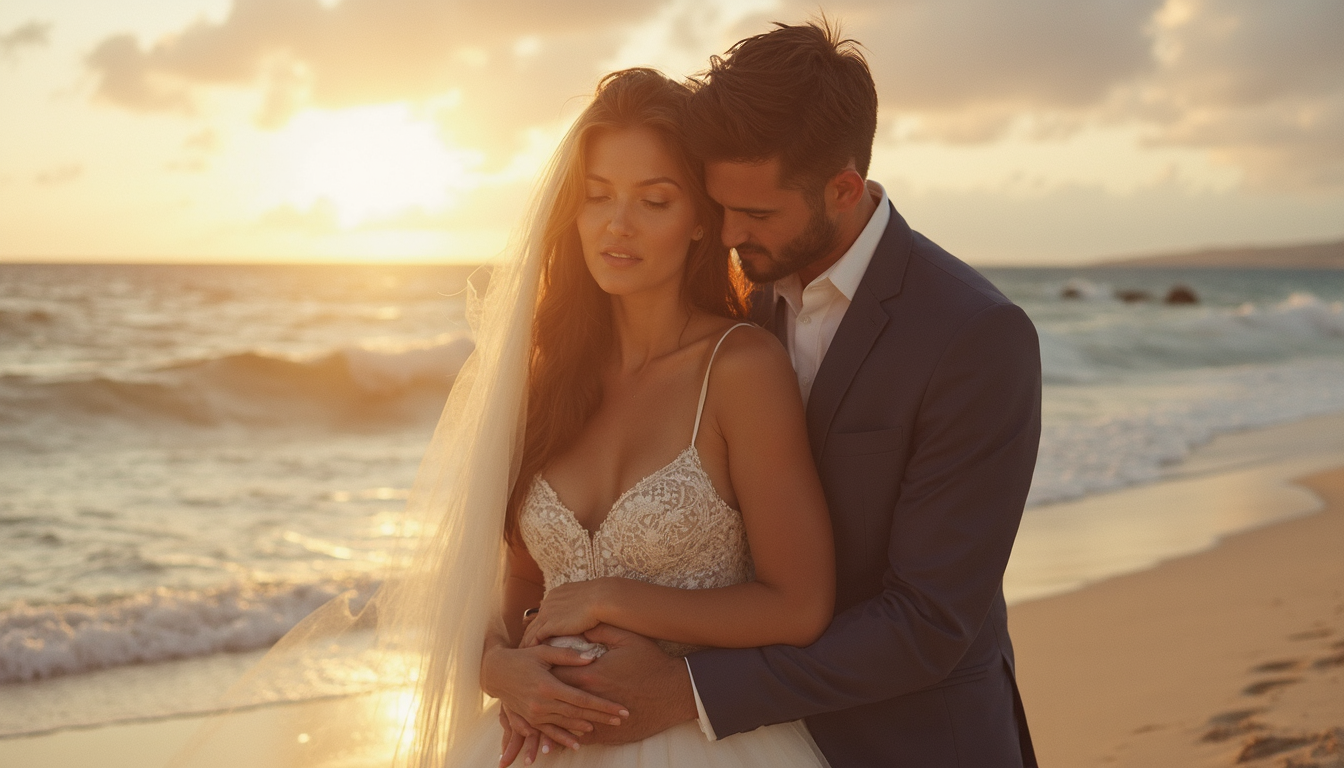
{"x": 645, "y": 183}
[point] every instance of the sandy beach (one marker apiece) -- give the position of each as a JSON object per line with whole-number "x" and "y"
{"x": 1211, "y": 648}
{"x": 1234, "y": 656}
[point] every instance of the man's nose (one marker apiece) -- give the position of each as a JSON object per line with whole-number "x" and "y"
{"x": 734, "y": 232}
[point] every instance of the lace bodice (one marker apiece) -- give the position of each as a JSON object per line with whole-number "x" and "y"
{"x": 670, "y": 528}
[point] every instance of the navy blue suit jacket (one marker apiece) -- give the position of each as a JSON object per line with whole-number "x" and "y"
{"x": 924, "y": 422}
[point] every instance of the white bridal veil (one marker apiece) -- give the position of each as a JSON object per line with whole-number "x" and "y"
{"x": 414, "y": 648}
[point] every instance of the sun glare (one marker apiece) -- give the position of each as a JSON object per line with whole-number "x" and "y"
{"x": 371, "y": 163}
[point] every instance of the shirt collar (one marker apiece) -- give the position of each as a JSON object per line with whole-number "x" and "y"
{"x": 846, "y": 273}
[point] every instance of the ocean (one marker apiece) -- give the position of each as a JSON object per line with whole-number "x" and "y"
{"x": 194, "y": 457}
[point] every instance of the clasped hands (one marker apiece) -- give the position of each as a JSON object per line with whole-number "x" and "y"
{"x": 551, "y": 696}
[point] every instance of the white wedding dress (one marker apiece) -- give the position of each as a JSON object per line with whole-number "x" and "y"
{"x": 671, "y": 528}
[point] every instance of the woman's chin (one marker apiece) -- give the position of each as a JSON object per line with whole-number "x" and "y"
{"x": 627, "y": 281}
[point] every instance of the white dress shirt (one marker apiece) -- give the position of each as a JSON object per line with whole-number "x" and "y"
{"x": 814, "y": 312}
{"x": 812, "y": 317}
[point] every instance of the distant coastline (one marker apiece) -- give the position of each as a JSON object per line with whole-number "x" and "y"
{"x": 1329, "y": 255}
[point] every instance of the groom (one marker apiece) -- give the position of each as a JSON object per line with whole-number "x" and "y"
{"x": 922, "y": 385}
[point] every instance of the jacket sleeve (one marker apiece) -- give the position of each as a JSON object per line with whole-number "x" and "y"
{"x": 965, "y": 483}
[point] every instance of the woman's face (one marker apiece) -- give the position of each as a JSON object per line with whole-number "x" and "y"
{"x": 638, "y": 216}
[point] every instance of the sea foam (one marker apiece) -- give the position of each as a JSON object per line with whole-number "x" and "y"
{"x": 46, "y": 641}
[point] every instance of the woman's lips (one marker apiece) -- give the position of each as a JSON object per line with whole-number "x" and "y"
{"x": 620, "y": 260}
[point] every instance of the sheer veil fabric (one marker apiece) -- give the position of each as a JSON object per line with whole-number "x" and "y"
{"x": 414, "y": 647}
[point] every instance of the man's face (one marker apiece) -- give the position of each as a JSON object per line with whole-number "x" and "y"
{"x": 775, "y": 231}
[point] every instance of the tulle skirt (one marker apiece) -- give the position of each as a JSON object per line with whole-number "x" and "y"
{"x": 787, "y": 745}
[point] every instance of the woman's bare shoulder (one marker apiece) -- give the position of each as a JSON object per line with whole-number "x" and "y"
{"x": 751, "y": 362}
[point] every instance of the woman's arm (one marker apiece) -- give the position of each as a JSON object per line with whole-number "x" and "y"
{"x": 523, "y": 590}
{"x": 529, "y": 695}
{"x": 755, "y": 409}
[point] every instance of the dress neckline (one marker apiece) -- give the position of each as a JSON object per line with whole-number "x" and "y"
{"x": 616, "y": 505}
{"x": 690, "y": 449}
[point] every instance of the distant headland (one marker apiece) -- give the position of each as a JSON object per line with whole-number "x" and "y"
{"x": 1303, "y": 256}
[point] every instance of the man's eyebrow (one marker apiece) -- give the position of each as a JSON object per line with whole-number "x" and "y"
{"x": 645, "y": 183}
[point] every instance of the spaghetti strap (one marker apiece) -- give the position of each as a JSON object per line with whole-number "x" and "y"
{"x": 704, "y": 388}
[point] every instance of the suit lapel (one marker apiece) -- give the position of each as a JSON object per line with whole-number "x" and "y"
{"x": 862, "y": 324}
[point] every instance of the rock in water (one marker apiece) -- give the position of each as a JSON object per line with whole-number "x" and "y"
{"x": 1132, "y": 296}
{"x": 1182, "y": 294}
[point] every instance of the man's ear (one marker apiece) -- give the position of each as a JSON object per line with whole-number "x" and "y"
{"x": 846, "y": 189}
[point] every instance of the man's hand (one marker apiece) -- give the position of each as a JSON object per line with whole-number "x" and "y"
{"x": 656, "y": 687}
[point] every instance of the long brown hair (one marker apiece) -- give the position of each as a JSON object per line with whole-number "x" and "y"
{"x": 572, "y": 334}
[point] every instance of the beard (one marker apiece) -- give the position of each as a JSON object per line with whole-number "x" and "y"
{"x": 816, "y": 240}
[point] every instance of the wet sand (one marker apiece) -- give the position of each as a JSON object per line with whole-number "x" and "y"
{"x": 1234, "y": 656}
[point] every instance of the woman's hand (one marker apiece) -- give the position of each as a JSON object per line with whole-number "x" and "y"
{"x": 571, "y": 609}
{"x": 520, "y": 740}
{"x": 522, "y": 681}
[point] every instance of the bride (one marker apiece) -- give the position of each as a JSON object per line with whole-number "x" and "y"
{"x": 663, "y": 437}
{"x": 619, "y": 450}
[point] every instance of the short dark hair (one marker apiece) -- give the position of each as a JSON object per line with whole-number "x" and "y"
{"x": 798, "y": 93}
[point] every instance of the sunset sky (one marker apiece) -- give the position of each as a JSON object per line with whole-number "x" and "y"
{"x": 1033, "y": 132}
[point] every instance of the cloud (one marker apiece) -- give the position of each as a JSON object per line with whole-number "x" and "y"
{"x": 306, "y": 52}
{"x": 1259, "y": 85}
{"x": 62, "y": 174}
{"x": 1254, "y": 84}
{"x": 952, "y": 54}
{"x": 127, "y": 78}
{"x": 32, "y": 34}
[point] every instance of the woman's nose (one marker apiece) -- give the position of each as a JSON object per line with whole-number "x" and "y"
{"x": 620, "y": 220}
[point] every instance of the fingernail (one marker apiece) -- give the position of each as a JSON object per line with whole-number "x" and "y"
{"x": 546, "y": 750}
{"x": 625, "y": 713}
{"x": 615, "y": 721}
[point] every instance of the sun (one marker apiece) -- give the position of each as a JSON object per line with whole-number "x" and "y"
{"x": 370, "y": 163}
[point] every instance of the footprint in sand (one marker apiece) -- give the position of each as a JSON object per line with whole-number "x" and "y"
{"x": 1231, "y": 724}
{"x": 1266, "y": 746}
{"x": 1311, "y": 634}
{"x": 1265, "y": 686}
{"x": 1278, "y": 666}
{"x": 1335, "y": 660}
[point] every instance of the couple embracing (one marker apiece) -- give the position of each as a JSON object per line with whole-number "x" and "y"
{"x": 806, "y": 492}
